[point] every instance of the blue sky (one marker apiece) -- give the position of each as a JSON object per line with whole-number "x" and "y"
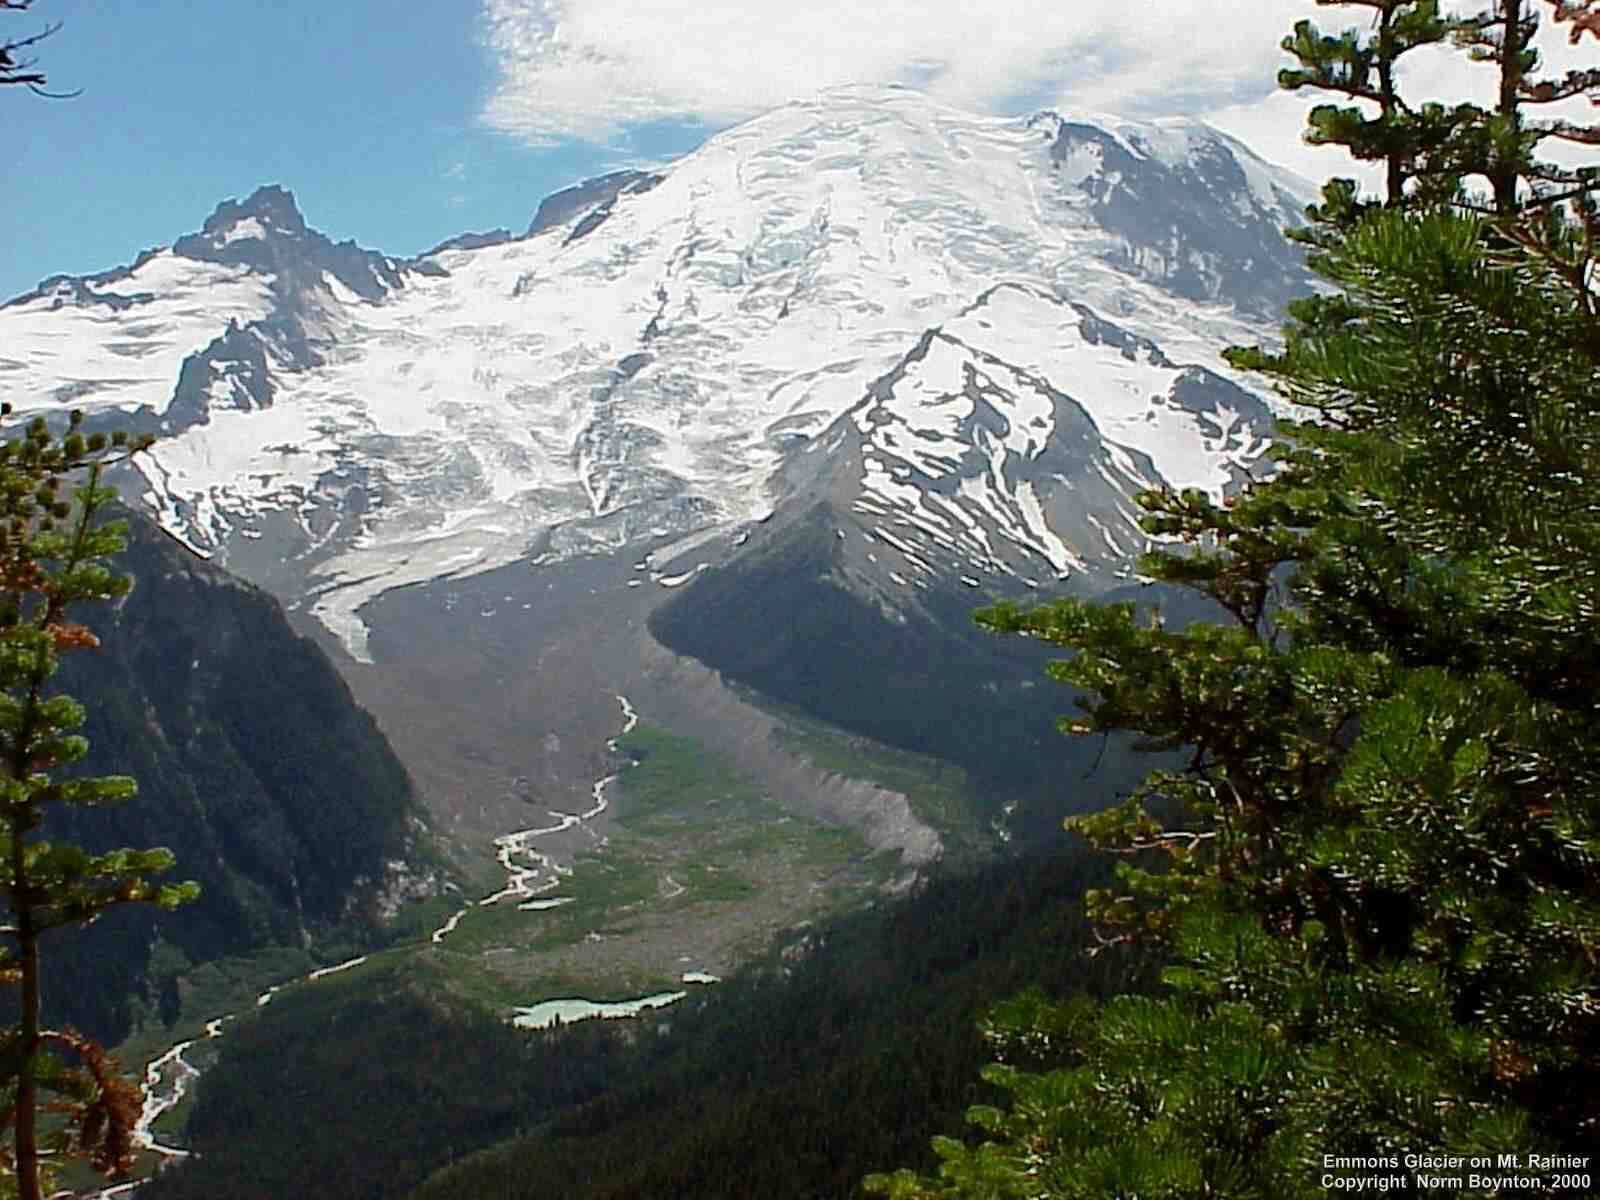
{"x": 368, "y": 111}
{"x": 403, "y": 124}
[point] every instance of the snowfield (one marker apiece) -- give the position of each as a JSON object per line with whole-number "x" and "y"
{"x": 559, "y": 395}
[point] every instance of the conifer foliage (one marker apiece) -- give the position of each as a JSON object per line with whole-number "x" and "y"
{"x": 1431, "y": 150}
{"x": 1377, "y": 880}
{"x": 1364, "y": 69}
{"x": 61, "y": 1094}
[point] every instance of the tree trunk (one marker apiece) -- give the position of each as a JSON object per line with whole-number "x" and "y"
{"x": 23, "y": 817}
{"x": 1509, "y": 106}
{"x": 27, "y": 1145}
{"x": 1395, "y": 183}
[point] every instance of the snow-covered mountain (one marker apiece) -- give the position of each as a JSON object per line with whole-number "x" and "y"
{"x": 796, "y": 403}
{"x": 1012, "y": 323}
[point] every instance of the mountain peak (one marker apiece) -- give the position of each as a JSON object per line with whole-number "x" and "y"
{"x": 271, "y": 206}
{"x": 266, "y": 233}
{"x": 591, "y": 196}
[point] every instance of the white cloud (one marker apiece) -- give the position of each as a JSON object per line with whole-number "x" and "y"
{"x": 590, "y": 69}
{"x": 1272, "y": 126}
{"x": 595, "y": 69}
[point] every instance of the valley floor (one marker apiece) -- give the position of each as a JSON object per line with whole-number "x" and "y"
{"x": 679, "y": 869}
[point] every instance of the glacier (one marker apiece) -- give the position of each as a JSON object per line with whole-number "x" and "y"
{"x": 649, "y": 363}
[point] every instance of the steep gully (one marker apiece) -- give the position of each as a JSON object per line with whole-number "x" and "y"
{"x": 169, "y": 1077}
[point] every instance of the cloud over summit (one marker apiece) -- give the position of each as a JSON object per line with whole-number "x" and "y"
{"x": 590, "y": 69}
{"x": 595, "y": 71}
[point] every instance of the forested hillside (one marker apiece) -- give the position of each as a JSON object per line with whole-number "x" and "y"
{"x": 255, "y": 767}
{"x": 839, "y": 1053}
{"x": 820, "y": 640}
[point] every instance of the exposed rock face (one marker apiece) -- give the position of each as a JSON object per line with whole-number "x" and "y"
{"x": 463, "y": 241}
{"x": 266, "y": 233}
{"x": 1193, "y": 211}
{"x": 589, "y": 202}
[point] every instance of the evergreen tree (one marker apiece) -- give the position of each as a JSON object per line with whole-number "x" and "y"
{"x": 1378, "y": 878}
{"x": 62, "y": 1095}
{"x": 1363, "y": 69}
{"x": 1501, "y": 144}
{"x": 1430, "y": 151}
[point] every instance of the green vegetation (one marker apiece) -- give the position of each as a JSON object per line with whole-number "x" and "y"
{"x": 389, "y": 1073}
{"x": 213, "y": 989}
{"x": 52, "y": 559}
{"x": 739, "y": 840}
{"x": 935, "y": 688}
{"x": 1377, "y": 880}
{"x": 835, "y": 1050}
{"x": 704, "y": 882}
{"x": 675, "y": 780}
{"x": 600, "y": 890}
{"x": 256, "y": 768}
{"x": 696, "y": 851}
{"x": 939, "y": 792}
{"x": 415, "y": 922}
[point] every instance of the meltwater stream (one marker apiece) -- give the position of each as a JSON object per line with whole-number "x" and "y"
{"x": 169, "y": 1078}
{"x": 511, "y": 847}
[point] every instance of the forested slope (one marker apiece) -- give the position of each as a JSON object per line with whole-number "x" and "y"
{"x": 838, "y": 1054}
{"x": 931, "y": 682}
{"x": 255, "y": 767}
